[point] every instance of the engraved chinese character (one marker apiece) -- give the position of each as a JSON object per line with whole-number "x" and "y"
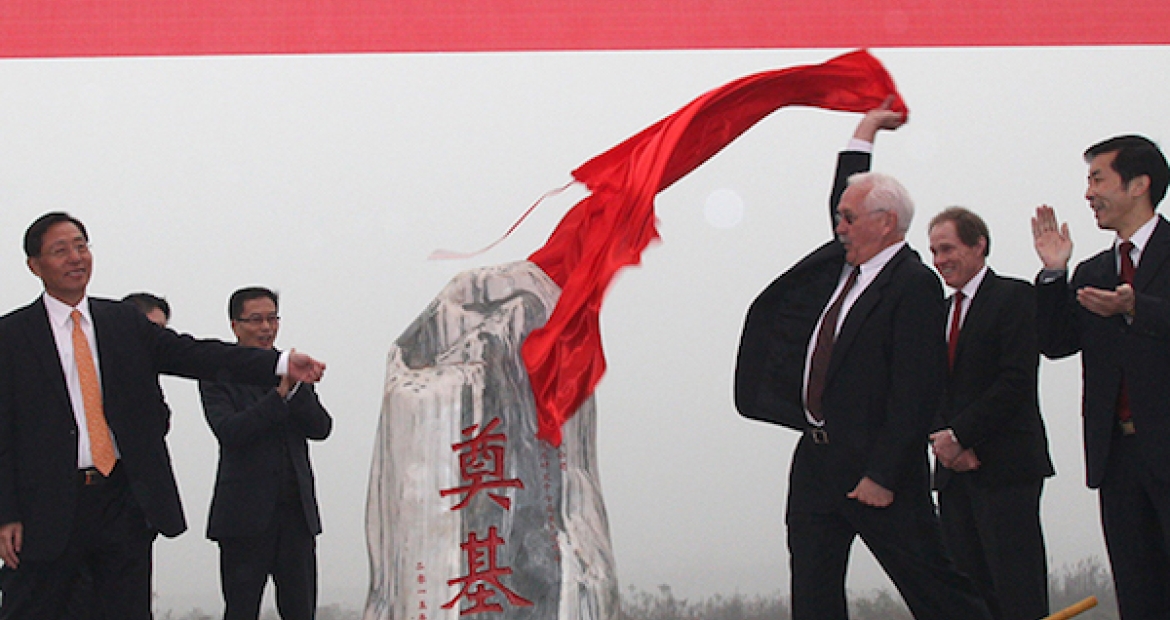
{"x": 482, "y": 583}
{"x": 481, "y": 466}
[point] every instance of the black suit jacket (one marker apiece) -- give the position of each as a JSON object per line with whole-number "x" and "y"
{"x": 1111, "y": 347}
{"x": 991, "y": 401}
{"x": 259, "y": 433}
{"x": 38, "y": 433}
{"x": 885, "y": 377}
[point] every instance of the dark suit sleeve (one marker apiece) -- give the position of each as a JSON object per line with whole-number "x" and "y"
{"x": 235, "y": 425}
{"x": 849, "y": 163}
{"x": 770, "y": 362}
{"x": 917, "y": 364}
{"x": 307, "y": 414}
{"x": 206, "y": 359}
{"x": 9, "y": 509}
{"x": 1013, "y": 336}
{"x": 1056, "y": 321}
{"x": 1151, "y": 316}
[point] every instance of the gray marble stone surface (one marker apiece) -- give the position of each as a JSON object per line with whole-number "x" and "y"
{"x": 467, "y": 510}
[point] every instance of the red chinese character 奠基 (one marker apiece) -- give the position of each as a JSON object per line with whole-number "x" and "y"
{"x": 481, "y": 466}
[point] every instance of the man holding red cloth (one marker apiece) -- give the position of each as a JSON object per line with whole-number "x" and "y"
{"x": 847, "y": 347}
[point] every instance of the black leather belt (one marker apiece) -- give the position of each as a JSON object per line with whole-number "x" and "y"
{"x": 819, "y": 435}
{"x": 90, "y": 476}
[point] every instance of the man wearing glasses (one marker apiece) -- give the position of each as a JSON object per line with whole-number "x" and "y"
{"x": 264, "y": 510}
{"x": 85, "y": 478}
{"x": 847, "y": 347}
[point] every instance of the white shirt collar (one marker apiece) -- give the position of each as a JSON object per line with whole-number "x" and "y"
{"x": 1141, "y": 236}
{"x": 879, "y": 260}
{"x": 972, "y": 285}
{"x": 59, "y": 311}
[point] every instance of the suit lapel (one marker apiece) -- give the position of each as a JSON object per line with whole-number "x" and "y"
{"x": 1154, "y": 256}
{"x": 44, "y": 348}
{"x": 870, "y": 297}
{"x": 977, "y": 313}
{"x": 100, "y": 332}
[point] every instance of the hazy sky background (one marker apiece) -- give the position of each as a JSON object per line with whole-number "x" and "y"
{"x": 331, "y": 178}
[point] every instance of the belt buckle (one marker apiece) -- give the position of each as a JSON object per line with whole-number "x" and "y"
{"x": 1126, "y": 427}
{"x": 819, "y": 436}
{"x": 92, "y": 477}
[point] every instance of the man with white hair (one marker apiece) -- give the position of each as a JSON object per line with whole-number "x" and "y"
{"x": 847, "y": 347}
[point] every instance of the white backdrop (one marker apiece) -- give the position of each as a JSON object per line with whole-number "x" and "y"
{"x": 330, "y": 178}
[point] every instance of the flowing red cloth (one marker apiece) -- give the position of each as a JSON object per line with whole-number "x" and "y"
{"x": 609, "y": 229}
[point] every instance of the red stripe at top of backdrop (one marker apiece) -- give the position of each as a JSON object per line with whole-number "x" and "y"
{"x": 50, "y": 28}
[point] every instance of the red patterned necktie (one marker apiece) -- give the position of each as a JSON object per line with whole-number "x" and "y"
{"x": 953, "y": 336}
{"x": 823, "y": 350}
{"x": 100, "y": 444}
{"x": 1126, "y": 277}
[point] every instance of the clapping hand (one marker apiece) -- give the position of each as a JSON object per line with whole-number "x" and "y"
{"x": 301, "y": 367}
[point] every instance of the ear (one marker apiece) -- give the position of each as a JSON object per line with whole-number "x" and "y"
{"x": 891, "y": 221}
{"x": 33, "y": 265}
{"x": 981, "y": 246}
{"x": 1138, "y": 185}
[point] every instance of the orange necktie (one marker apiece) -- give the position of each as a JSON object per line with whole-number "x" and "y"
{"x": 100, "y": 445}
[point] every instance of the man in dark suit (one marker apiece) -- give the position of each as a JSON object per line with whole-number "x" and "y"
{"x": 991, "y": 449}
{"x": 864, "y": 407}
{"x": 1116, "y": 312}
{"x": 264, "y": 512}
{"x": 85, "y": 477}
{"x": 82, "y": 600}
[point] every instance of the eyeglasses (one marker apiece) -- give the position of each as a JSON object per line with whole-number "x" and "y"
{"x": 850, "y": 218}
{"x": 257, "y": 319}
{"x": 63, "y": 250}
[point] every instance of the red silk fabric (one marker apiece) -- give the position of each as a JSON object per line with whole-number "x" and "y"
{"x": 609, "y": 229}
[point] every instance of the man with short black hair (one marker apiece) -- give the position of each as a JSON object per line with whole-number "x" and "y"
{"x": 1115, "y": 311}
{"x": 154, "y": 307}
{"x": 85, "y": 477}
{"x": 264, "y": 512}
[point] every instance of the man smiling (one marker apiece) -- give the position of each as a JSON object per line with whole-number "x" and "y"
{"x": 990, "y": 447}
{"x": 264, "y": 512}
{"x": 1115, "y": 312}
{"x": 85, "y": 476}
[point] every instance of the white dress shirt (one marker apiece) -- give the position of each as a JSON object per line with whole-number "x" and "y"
{"x": 62, "y": 325}
{"x": 869, "y": 271}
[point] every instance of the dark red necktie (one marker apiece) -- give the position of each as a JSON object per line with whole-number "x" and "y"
{"x": 953, "y": 335}
{"x": 1126, "y": 276}
{"x": 823, "y": 350}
